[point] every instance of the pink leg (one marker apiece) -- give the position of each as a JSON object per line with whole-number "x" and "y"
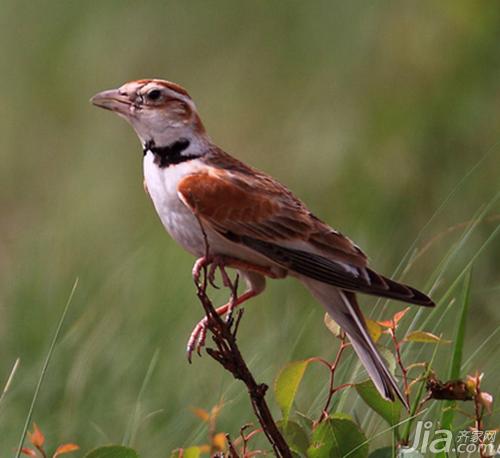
{"x": 199, "y": 334}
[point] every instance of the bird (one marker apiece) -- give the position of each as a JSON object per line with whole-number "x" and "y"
{"x": 251, "y": 222}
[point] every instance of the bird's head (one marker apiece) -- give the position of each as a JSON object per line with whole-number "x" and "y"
{"x": 158, "y": 110}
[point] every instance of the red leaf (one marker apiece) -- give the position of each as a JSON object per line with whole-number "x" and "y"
{"x": 36, "y": 437}
{"x": 386, "y": 323}
{"x": 399, "y": 315}
{"x": 28, "y": 451}
{"x": 65, "y": 448}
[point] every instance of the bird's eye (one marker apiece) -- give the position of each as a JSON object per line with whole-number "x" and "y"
{"x": 153, "y": 95}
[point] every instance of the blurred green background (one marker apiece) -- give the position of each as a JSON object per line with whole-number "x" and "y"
{"x": 373, "y": 113}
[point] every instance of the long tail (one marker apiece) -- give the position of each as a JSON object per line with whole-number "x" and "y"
{"x": 343, "y": 308}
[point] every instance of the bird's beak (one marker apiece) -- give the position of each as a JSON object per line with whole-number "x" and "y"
{"x": 112, "y": 100}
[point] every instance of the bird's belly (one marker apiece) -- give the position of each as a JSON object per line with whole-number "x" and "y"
{"x": 177, "y": 219}
{"x": 184, "y": 228}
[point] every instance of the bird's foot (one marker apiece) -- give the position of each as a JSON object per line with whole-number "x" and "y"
{"x": 214, "y": 263}
{"x": 197, "y": 338}
{"x": 199, "y": 265}
{"x": 199, "y": 334}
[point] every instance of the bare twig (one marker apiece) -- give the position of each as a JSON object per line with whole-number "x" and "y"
{"x": 229, "y": 356}
{"x": 332, "y": 388}
{"x": 404, "y": 370}
{"x": 245, "y": 438}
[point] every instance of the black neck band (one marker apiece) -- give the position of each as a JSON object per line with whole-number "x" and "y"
{"x": 170, "y": 154}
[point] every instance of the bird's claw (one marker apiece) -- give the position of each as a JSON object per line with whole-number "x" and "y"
{"x": 215, "y": 262}
{"x": 199, "y": 264}
{"x": 197, "y": 339}
{"x": 211, "y": 273}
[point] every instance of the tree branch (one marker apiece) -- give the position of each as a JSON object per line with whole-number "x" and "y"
{"x": 229, "y": 356}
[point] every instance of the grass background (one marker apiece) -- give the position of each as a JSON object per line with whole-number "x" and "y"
{"x": 372, "y": 113}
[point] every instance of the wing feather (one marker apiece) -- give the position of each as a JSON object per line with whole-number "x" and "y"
{"x": 317, "y": 267}
{"x": 251, "y": 208}
{"x": 255, "y": 205}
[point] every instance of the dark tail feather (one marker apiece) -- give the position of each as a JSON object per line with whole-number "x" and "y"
{"x": 399, "y": 291}
{"x": 335, "y": 273}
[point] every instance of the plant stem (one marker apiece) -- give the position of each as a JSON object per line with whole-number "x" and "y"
{"x": 404, "y": 370}
{"x": 332, "y": 389}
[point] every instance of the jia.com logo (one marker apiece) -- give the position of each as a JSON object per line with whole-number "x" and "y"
{"x": 442, "y": 440}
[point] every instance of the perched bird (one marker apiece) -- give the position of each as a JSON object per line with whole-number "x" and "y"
{"x": 251, "y": 221}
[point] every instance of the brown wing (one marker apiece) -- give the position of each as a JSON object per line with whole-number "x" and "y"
{"x": 250, "y": 203}
{"x": 253, "y": 209}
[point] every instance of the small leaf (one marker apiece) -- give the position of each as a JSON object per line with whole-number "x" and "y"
{"x": 374, "y": 329}
{"x": 295, "y": 436}
{"x": 28, "y": 451}
{"x": 219, "y": 441}
{"x": 399, "y": 315}
{"x": 36, "y": 437}
{"x": 65, "y": 448}
{"x": 393, "y": 323}
{"x": 389, "y": 411}
{"x": 338, "y": 436}
{"x": 424, "y": 337}
{"x": 202, "y": 414}
{"x": 192, "y": 452}
{"x": 332, "y": 325}
{"x": 386, "y": 323}
{"x": 112, "y": 451}
{"x": 286, "y": 385}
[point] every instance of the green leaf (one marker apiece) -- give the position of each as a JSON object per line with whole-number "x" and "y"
{"x": 332, "y": 325}
{"x": 385, "y": 452}
{"x": 112, "y": 451}
{"x": 389, "y": 411}
{"x": 456, "y": 360}
{"x": 336, "y": 437}
{"x": 374, "y": 329}
{"x": 286, "y": 385}
{"x": 424, "y": 337}
{"x": 295, "y": 436}
{"x": 192, "y": 452}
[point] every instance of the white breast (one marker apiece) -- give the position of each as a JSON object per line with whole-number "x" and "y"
{"x": 176, "y": 217}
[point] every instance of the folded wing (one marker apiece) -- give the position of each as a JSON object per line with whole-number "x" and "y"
{"x": 252, "y": 209}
